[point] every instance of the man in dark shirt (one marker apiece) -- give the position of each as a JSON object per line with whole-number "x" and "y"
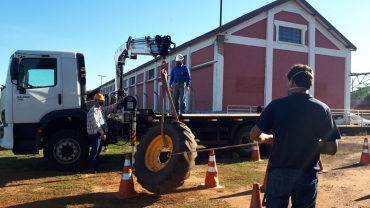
{"x": 179, "y": 83}
{"x": 298, "y": 123}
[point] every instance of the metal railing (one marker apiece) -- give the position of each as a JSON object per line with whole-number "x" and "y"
{"x": 350, "y": 117}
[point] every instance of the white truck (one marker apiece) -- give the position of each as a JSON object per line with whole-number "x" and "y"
{"x": 43, "y": 106}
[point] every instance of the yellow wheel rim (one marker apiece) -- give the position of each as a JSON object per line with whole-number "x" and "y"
{"x": 157, "y": 155}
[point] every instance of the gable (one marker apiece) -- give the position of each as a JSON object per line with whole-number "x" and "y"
{"x": 290, "y": 17}
{"x": 256, "y": 30}
{"x": 323, "y": 42}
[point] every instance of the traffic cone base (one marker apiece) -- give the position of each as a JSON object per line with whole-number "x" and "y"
{"x": 255, "y": 153}
{"x": 256, "y": 197}
{"x": 126, "y": 187}
{"x": 211, "y": 180}
{"x": 365, "y": 157}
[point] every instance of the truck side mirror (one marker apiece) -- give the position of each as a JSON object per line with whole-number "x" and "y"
{"x": 14, "y": 69}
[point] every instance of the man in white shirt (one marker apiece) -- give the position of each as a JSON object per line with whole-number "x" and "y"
{"x": 96, "y": 126}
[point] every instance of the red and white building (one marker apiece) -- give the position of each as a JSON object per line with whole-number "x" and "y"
{"x": 245, "y": 61}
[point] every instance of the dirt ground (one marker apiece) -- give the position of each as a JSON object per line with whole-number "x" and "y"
{"x": 346, "y": 184}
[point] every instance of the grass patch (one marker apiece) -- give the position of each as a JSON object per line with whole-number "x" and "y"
{"x": 27, "y": 182}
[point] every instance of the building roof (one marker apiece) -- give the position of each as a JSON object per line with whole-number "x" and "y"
{"x": 94, "y": 91}
{"x": 303, "y": 3}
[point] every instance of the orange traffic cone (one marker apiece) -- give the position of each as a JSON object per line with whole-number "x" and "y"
{"x": 211, "y": 180}
{"x": 365, "y": 157}
{"x": 322, "y": 170}
{"x": 256, "y": 197}
{"x": 126, "y": 187}
{"x": 255, "y": 152}
{"x": 263, "y": 187}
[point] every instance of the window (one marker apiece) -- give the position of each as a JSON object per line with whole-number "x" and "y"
{"x": 132, "y": 80}
{"x": 37, "y": 73}
{"x": 151, "y": 74}
{"x": 290, "y": 35}
{"x": 110, "y": 89}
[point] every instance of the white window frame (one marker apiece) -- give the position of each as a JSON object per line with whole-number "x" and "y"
{"x": 303, "y": 29}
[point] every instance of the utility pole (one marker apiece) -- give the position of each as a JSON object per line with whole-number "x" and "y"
{"x": 220, "y": 13}
{"x": 101, "y": 83}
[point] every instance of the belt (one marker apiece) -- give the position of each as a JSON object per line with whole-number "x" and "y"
{"x": 179, "y": 82}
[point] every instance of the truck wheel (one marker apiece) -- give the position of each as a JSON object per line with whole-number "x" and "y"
{"x": 156, "y": 170}
{"x": 243, "y": 137}
{"x": 66, "y": 150}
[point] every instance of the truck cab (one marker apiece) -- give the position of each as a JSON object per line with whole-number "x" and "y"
{"x": 44, "y": 94}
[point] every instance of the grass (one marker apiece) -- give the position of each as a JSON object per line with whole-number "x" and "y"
{"x": 26, "y": 181}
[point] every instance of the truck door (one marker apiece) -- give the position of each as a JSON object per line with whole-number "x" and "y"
{"x": 39, "y": 88}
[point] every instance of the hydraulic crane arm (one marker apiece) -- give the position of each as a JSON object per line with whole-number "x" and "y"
{"x": 156, "y": 46}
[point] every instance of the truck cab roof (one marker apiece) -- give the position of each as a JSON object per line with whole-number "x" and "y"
{"x": 66, "y": 54}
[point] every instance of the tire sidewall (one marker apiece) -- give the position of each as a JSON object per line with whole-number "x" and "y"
{"x": 58, "y": 136}
{"x": 178, "y": 166}
{"x": 242, "y": 151}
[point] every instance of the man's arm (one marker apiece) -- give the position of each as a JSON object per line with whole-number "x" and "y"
{"x": 108, "y": 109}
{"x": 328, "y": 148}
{"x": 329, "y": 135}
{"x": 256, "y": 134}
{"x": 187, "y": 77}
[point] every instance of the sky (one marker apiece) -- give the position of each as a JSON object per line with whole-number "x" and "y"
{"x": 97, "y": 28}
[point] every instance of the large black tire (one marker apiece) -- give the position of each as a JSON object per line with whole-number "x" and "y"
{"x": 178, "y": 167}
{"x": 66, "y": 150}
{"x": 243, "y": 137}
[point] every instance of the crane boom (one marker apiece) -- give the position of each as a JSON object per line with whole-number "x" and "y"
{"x": 153, "y": 46}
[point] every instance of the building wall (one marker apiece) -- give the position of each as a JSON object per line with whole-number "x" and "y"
{"x": 202, "y": 83}
{"x": 324, "y": 42}
{"x": 139, "y": 95}
{"x": 256, "y": 30}
{"x": 252, "y": 64}
{"x": 244, "y": 77}
{"x": 150, "y": 94}
{"x": 140, "y": 78}
{"x": 284, "y": 60}
{"x": 202, "y": 56}
{"x": 329, "y": 80}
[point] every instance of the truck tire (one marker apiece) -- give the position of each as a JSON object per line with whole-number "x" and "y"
{"x": 66, "y": 150}
{"x": 243, "y": 137}
{"x": 155, "y": 171}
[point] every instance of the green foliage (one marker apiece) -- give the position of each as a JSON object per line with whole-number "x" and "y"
{"x": 362, "y": 93}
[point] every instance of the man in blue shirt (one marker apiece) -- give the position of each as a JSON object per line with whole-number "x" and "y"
{"x": 298, "y": 123}
{"x": 179, "y": 83}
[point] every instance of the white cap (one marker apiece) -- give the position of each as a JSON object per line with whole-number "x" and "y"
{"x": 179, "y": 57}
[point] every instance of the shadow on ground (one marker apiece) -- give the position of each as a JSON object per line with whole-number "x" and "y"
{"x": 244, "y": 193}
{"x": 363, "y": 198}
{"x": 349, "y": 166}
{"x": 93, "y": 200}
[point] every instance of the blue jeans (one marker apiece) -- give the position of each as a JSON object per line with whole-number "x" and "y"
{"x": 285, "y": 183}
{"x": 96, "y": 145}
{"x": 179, "y": 96}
